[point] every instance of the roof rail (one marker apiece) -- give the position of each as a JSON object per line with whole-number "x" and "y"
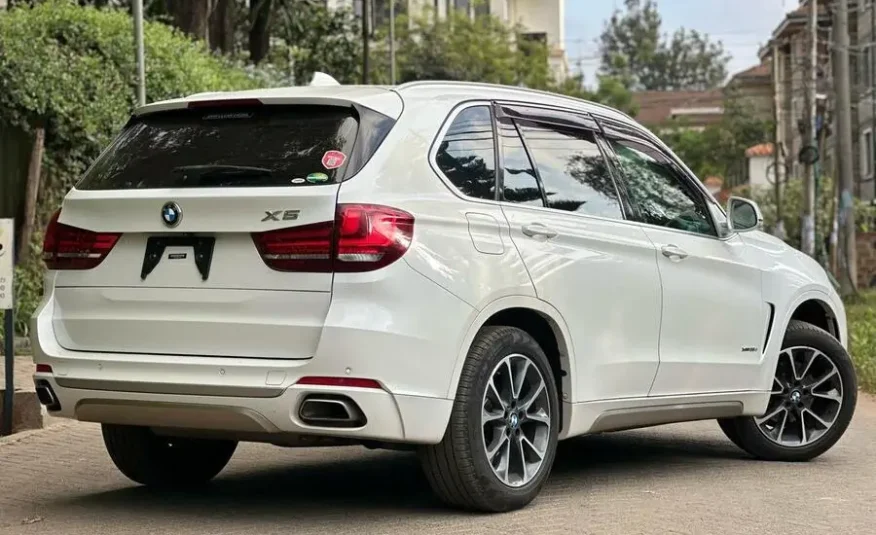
{"x": 513, "y": 88}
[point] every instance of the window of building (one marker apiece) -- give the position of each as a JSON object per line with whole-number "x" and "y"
{"x": 467, "y": 155}
{"x": 867, "y": 153}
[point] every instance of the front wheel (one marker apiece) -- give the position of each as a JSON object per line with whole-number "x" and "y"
{"x": 812, "y": 402}
{"x": 501, "y": 441}
{"x": 167, "y": 462}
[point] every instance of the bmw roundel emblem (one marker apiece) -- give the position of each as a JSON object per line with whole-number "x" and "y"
{"x": 171, "y": 214}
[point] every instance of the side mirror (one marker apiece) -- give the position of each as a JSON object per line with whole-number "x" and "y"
{"x": 743, "y": 215}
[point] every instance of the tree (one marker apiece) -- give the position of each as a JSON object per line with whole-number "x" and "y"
{"x": 633, "y": 48}
{"x": 316, "y": 38}
{"x": 719, "y": 149}
{"x": 483, "y": 49}
{"x": 462, "y": 48}
{"x": 609, "y": 91}
{"x": 259, "y": 29}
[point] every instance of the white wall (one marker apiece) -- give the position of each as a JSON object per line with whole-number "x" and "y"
{"x": 758, "y": 167}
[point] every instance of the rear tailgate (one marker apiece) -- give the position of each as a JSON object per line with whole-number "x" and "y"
{"x": 223, "y": 219}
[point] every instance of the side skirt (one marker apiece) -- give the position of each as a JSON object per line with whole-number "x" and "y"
{"x": 633, "y": 413}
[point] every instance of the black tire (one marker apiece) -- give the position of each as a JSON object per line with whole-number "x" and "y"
{"x": 457, "y": 468}
{"x": 165, "y": 462}
{"x": 728, "y": 426}
{"x": 744, "y": 432}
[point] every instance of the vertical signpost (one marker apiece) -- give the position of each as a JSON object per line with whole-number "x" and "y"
{"x": 7, "y": 248}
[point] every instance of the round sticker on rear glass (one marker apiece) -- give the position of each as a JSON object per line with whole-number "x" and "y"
{"x": 317, "y": 178}
{"x": 333, "y": 159}
{"x": 298, "y": 181}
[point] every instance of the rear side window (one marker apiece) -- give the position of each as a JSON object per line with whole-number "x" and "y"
{"x": 573, "y": 172}
{"x": 520, "y": 184}
{"x": 467, "y": 156}
{"x": 239, "y": 147}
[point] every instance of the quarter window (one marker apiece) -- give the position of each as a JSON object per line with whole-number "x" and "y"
{"x": 520, "y": 183}
{"x": 467, "y": 155}
{"x": 573, "y": 172}
{"x": 660, "y": 195}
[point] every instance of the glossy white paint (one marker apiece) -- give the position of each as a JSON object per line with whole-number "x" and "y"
{"x": 712, "y": 312}
{"x": 635, "y": 330}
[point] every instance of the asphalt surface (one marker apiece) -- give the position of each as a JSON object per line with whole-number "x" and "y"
{"x": 679, "y": 479}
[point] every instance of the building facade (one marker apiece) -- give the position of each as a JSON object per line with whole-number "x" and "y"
{"x": 789, "y": 51}
{"x": 864, "y": 86}
{"x": 541, "y": 20}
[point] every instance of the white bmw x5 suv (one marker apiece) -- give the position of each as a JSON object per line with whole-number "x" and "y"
{"x": 470, "y": 271}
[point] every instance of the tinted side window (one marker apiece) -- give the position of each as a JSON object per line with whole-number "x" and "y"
{"x": 520, "y": 183}
{"x": 661, "y": 196}
{"x": 467, "y": 156}
{"x": 573, "y": 172}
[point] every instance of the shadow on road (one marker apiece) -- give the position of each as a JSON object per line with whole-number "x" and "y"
{"x": 392, "y": 481}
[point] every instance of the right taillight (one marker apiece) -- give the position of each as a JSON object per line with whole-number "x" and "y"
{"x": 66, "y": 247}
{"x": 363, "y": 237}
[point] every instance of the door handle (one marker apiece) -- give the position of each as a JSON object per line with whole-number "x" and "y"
{"x": 538, "y": 230}
{"x": 673, "y": 252}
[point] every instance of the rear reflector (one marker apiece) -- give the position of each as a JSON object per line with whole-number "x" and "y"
{"x": 363, "y": 237}
{"x": 43, "y": 368}
{"x": 351, "y": 382}
{"x": 66, "y": 247}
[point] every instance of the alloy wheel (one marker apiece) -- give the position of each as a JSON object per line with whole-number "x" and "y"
{"x": 516, "y": 420}
{"x": 806, "y": 398}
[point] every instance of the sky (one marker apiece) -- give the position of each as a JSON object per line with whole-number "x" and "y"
{"x": 742, "y": 25}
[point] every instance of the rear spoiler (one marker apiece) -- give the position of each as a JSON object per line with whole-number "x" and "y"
{"x": 322, "y": 90}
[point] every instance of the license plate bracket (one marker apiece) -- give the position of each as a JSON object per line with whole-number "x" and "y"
{"x": 202, "y": 247}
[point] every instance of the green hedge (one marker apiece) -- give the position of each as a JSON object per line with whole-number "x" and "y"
{"x": 72, "y": 70}
{"x": 861, "y": 313}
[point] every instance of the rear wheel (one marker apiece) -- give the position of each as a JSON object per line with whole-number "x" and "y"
{"x": 500, "y": 445}
{"x": 158, "y": 461}
{"x": 812, "y": 402}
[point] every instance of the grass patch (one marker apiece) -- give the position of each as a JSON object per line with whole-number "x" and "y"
{"x": 861, "y": 314}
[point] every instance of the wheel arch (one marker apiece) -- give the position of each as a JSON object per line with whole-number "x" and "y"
{"x": 818, "y": 312}
{"x": 812, "y": 306}
{"x": 544, "y": 323}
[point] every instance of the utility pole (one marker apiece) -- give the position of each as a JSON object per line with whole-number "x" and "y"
{"x": 365, "y": 38}
{"x": 138, "y": 42}
{"x": 391, "y": 42}
{"x": 807, "y": 222}
{"x": 848, "y": 264}
{"x": 779, "y": 176}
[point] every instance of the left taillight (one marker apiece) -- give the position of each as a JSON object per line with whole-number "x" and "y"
{"x": 66, "y": 247}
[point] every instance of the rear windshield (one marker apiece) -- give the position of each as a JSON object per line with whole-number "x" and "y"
{"x": 258, "y": 146}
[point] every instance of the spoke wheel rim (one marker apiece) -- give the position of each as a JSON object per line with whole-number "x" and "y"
{"x": 806, "y": 398}
{"x": 516, "y": 420}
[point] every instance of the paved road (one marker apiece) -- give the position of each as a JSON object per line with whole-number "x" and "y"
{"x": 676, "y": 479}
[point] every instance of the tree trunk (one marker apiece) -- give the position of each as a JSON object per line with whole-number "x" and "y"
{"x": 32, "y": 189}
{"x": 222, "y": 26}
{"x": 259, "y": 32}
{"x": 191, "y": 16}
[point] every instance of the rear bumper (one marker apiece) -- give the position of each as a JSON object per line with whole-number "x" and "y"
{"x": 406, "y": 337}
{"x": 219, "y": 394}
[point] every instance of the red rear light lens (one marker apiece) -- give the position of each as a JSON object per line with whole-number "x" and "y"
{"x": 363, "y": 237}
{"x": 66, "y": 247}
{"x": 371, "y": 237}
{"x": 43, "y": 368}
{"x": 305, "y": 248}
{"x": 350, "y": 382}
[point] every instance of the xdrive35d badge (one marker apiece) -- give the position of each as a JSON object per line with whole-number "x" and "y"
{"x": 171, "y": 214}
